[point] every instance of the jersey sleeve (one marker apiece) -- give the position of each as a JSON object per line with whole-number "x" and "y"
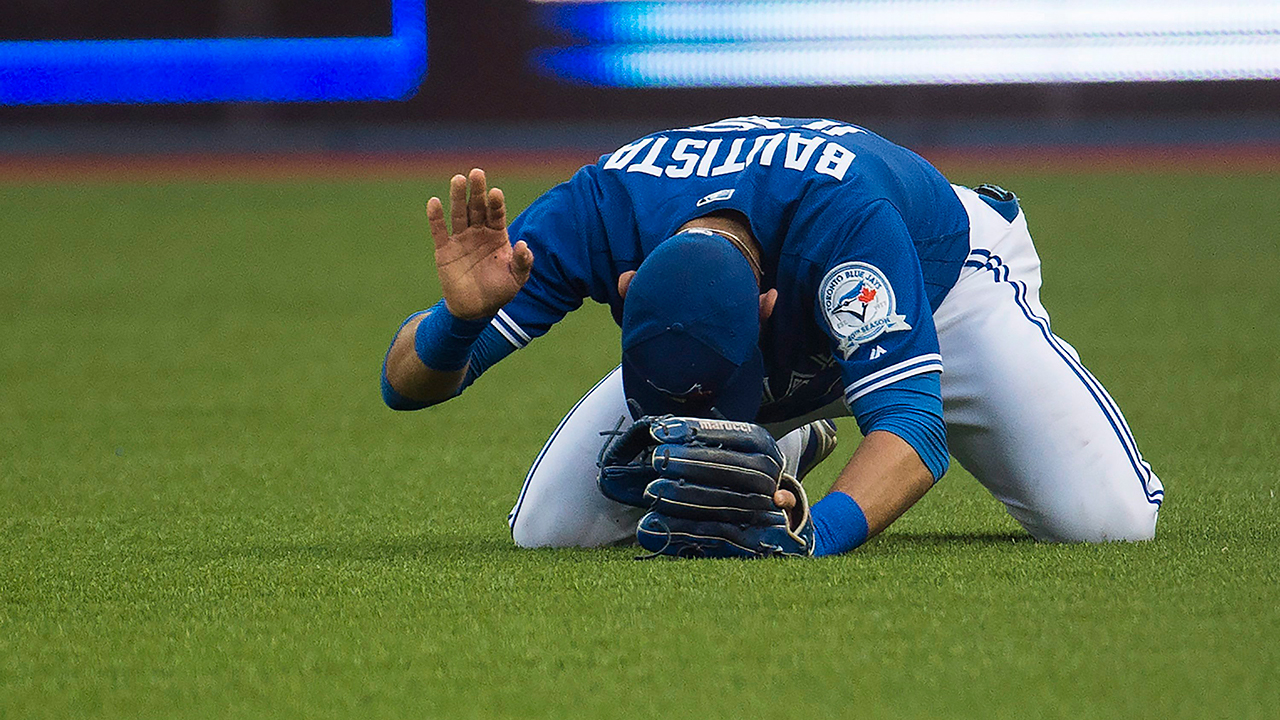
{"x": 558, "y": 227}
{"x": 873, "y": 306}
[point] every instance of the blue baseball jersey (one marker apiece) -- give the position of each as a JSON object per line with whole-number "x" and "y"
{"x": 861, "y": 238}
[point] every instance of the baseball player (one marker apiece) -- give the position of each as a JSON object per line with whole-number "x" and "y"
{"x": 776, "y": 272}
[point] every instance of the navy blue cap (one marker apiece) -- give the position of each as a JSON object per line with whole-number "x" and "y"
{"x": 691, "y": 331}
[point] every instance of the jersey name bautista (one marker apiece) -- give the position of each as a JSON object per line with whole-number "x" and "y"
{"x": 677, "y": 158}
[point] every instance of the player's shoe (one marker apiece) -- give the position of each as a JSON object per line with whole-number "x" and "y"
{"x": 807, "y": 446}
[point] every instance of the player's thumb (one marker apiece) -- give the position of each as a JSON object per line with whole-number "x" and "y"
{"x": 521, "y": 261}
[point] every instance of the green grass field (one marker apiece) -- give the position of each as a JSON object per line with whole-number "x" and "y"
{"x": 205, "y": 510}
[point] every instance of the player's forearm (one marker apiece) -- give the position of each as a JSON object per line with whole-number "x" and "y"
{"x": 411, "y": 378}
{"x": 435, "y": 355}
{"x": 885, "y": 476}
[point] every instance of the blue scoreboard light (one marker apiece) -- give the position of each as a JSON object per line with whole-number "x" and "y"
{"x": 906, "y": 42}
{"x": 194, "y": 70}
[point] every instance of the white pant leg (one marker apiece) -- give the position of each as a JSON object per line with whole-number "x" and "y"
{"x": 560, "y": 504}
{"x": 1023, "y": 415}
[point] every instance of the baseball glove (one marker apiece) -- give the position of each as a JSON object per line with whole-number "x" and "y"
{"x": 708, "y": 486}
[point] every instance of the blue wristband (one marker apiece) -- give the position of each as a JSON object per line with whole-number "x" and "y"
{"x": 443, "y": 342}
{"x": 839, "y": 524}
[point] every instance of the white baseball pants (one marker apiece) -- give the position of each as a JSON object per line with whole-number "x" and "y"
{"x": 1023, "y": 415}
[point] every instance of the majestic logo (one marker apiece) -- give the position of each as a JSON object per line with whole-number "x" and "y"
{"x": 859, "y": 305}
{"x": 716, "y": 196}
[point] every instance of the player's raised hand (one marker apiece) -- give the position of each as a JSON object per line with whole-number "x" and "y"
{"x": 480, "y": 271}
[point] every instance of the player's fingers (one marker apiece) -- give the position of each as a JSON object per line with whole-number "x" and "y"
{"x": 458, "y": 203}
{"x": 497, "y": 215}
{"x": 476, "y": 206}
{"x": 784, "y": 499}
{"x": 624, "y": 282}
{"x": 767, "y": 301}
{"x": 435, "y": 219}
{"x": 521, "y": 261}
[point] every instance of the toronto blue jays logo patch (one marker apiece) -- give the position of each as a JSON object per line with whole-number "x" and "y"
{"x": 859, "y": 306}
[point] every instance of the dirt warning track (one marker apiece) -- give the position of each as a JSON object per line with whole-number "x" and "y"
{"x": 1215, "y": 160}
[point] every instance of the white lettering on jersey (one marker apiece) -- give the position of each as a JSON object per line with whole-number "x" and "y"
{"x": 731, "y": 164}
{"x": 625, "y": 154}
{"x": 835, "y": 160}
{"x": 682, "y": 154}
{"x": 796, "y": 158}
{"x": 749, "y": 122}
{"x": 833, "y": 128}
{"x": 646, "y": 166}
{"x": 842, "y": 130}
{"x": 710, "y": 154}
{"x": 820, "y": 124}
{"x": 769, "y": 144}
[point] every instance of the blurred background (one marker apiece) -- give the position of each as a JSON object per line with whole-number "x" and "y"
{"x": 403, "y": 76}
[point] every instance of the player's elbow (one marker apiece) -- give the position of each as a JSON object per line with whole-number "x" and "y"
{"x": 911, "y": 409}
{"x": 398, "y": 401}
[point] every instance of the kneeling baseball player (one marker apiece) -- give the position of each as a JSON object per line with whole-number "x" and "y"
{"x": 769, "y": 274}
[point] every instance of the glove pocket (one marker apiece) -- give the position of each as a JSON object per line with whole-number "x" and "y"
{"x": 713, "y": 467}
{"x": 680, "y": 498}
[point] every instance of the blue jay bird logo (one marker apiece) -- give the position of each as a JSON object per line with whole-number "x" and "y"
{"x": 856, "y": 300}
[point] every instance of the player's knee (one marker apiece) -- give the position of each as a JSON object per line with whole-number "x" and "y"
{"x": 524, "y": 539}
{"x": 1131, "y": 524}
{"x": 526, "y": 533}
{"x": 1113, "y": 522}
